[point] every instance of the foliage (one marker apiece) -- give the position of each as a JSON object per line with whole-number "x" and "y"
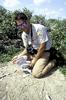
{"x": 58, "y": 34}
{"x": 5, "y": 57}
{"x": 38, "y": 19}
{"x": 7, "y": 24}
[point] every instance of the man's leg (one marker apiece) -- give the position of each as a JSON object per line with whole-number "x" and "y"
{"x": 48, "y": 67}
{"x": 40, "y": 65}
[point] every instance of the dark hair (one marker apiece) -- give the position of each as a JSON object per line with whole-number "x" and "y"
{"x": 20, "y": 15}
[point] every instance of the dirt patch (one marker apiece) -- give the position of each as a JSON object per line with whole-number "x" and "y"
{"x": 16, "y": 85}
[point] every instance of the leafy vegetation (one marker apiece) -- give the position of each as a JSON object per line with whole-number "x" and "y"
{"x": 8, "y": 30}
{"x": 5, "y": 57}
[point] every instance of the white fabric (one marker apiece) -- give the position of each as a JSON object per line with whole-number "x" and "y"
{"x": 40, "y": 35}
{"x": 23, "y": 64}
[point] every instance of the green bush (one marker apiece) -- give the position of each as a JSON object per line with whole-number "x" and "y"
{"x": 12, "y": 51}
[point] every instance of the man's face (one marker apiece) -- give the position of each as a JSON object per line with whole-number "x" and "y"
{"x": 23, "y": 24}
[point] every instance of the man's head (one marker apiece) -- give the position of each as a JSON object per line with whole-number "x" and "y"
{"x": 22, "y": 22}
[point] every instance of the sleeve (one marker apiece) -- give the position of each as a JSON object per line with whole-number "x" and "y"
{"x": 42, "y": 35}
{"x": 25, "y": 39}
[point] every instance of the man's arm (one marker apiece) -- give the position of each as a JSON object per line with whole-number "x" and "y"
{"x": 41, "y": 50}
{"x": 39, "y": 53}
{"x": 24, "y": 52}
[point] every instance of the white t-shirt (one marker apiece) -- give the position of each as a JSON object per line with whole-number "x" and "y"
{"x": 40, "y": 35}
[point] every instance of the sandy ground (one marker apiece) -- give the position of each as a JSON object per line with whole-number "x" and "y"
{"x": 16, "y": 85}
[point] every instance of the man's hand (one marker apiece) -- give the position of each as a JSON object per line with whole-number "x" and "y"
{"x": 14, "y": 59}
{"x": 31, "y": 65}
{"x": 33, "y": 61}
{"x": 38, "y": 55}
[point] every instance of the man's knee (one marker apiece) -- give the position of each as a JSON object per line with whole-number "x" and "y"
{"x": 39, "y": 66}
{"x": 49, "y": 66}
{"x": 36, "y": 74}
{"x": 41, "y": 72}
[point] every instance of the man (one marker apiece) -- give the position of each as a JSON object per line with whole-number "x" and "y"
{"x": 37, "y": 36}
